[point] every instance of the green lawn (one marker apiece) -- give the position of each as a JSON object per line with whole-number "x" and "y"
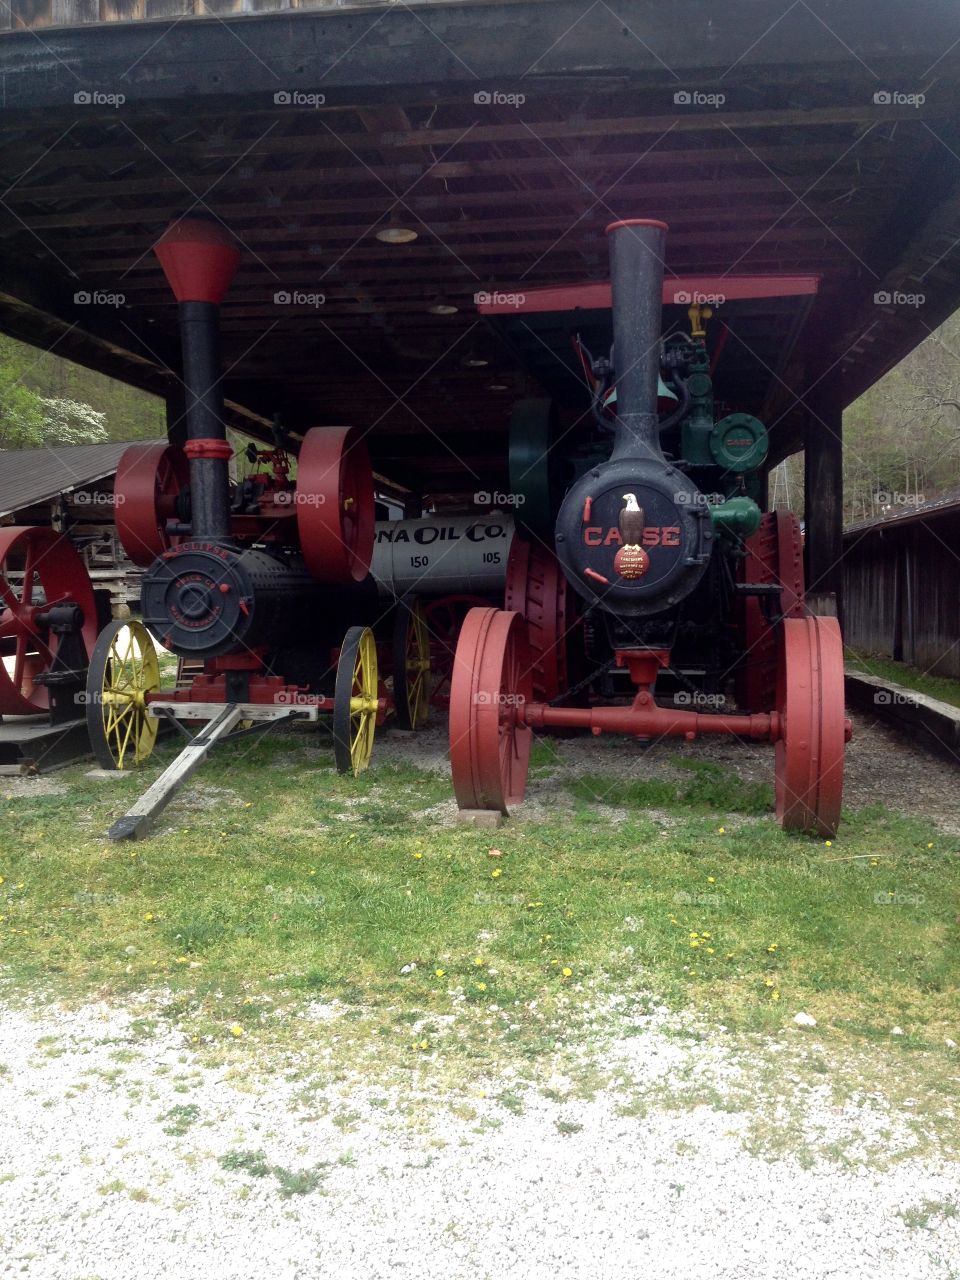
{"x": 283, "y": 887}
{"x": 941, "y": 687}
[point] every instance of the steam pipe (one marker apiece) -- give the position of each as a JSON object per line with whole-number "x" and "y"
{"x": 636, "y": 279}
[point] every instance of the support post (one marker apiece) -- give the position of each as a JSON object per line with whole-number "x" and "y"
{"x": 823, "y": 488}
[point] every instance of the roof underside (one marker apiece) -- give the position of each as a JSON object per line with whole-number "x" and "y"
{"x": 797, "y": 170}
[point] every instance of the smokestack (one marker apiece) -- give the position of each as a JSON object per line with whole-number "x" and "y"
{"x": 636, "y": 279}
{"x": 199, "y": 260}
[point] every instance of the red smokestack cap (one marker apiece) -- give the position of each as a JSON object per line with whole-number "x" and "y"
{"x": 199, "y": 259}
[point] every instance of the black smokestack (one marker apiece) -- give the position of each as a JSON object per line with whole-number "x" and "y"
{"x": 636, "y": 281}
{"x": 199, "y": 260}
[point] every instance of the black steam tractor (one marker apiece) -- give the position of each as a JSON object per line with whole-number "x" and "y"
{"x": 682, "y": 581}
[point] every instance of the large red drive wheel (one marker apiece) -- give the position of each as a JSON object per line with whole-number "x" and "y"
{"x": 809, "y": 768}
{"x": 537, "y": 588}
{"x": 444, "y": 618}
{"x": 335, "y": 505}
{"x": 489, "y": 748}
{"x": 149, "y": 480}
{"x": 773, "y": 555}
{"x": 39, "y": 569}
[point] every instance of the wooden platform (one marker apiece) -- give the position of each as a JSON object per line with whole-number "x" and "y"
{"x": 30, "y": 744}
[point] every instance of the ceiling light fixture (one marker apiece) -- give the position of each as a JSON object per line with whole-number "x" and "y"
{"x": 393, "y": 232}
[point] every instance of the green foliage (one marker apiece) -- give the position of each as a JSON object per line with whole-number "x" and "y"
{"x": 901, "y": 439}
{"x": 45, "y": 399}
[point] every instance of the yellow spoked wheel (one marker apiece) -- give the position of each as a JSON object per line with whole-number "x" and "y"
{"x": 123, "y": 669}
{"x": 355, "y": 701}
{"x": 411, "y": 665}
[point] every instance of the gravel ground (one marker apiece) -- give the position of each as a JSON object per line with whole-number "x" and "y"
{"x": 92, "y": 1184}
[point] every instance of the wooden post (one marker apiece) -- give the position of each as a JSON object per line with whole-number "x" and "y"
{"x": 823, "y": 488}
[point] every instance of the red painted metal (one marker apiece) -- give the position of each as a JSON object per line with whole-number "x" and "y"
{"x": 809, "y": 764}
{"x": 199, "y": 259}
{"x": 644, "y": 719}
{"x": 774, "y": 554}
{"x": 489, "y": 744}
{"x": 444, "y": 618}
{"x": 206, "y": 448}
{"x": 595, "y": 295}
{"x": 148, "y": 481}
{"x": 335, "y": 504}
{"x": 51, "y": 573}
{"x": 636, "y": 222}
{"x": 536, "y": 587}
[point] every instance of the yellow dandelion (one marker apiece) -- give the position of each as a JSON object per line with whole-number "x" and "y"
{"x": 774, "y": 995}
{"x": 148, "y": 916}
{"x": 568, "y": 973}
{"x": 709, "y": 951}
{"x": 496, "y": 872}
{"x": 874, "y": 862}
{"x": 236, "y": 1030}
{"x": 439, "y": 972}
{"x": 706, "y": 935}
{"x": 722, "y": 830}
{"x": 772, "y": 947}
{"x": 694, "y": 942}
{"x": 768, "y": 982}
{"x": 730, "y": 955}
{"x": 711, "y": 879}
{"x": 181, "y": 960}
{"x": 478, "y": 960}
{"x": 930, "y": 844}
{"x": 424, "y": 1044}
{"x": 481, "y": 986}
{"x": 418, "y": 856}
{"x": 828, "y": 843}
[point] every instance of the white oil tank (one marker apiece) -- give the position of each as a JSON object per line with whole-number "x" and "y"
{"x": 442, "y": 555}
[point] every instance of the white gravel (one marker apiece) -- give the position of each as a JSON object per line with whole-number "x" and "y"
{"x": 92, "y": 1187}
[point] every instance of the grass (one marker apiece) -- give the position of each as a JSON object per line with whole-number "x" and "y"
{"x": 942, "y": 687}
{"x": 275, "y": 888}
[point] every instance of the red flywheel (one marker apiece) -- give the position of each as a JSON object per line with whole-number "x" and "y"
{"x": 149, "y": 481}
{"x": 335, "y": 504}
{"x": 39, "y": 569}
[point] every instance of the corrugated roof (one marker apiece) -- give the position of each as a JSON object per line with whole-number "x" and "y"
{"x": 29, "y": 476}
{"x": 917, "y": 511}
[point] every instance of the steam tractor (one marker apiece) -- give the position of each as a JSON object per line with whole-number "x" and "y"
{"x": 682, "y": 582}
{"x": 253, "y": 584}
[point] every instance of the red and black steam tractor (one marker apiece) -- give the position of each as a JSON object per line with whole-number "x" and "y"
{"x": 682, "y": 582}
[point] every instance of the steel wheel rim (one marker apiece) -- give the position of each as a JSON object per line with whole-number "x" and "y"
{"x": 124, "y": 670}
{"x": 356, "y": 701}
{"x": 537, "y": 587}
{"x": 809, "y": 753}
{"x": 489, "y": 748}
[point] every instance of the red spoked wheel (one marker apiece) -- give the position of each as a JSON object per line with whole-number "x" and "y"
{"x": 810, "y": 700}
{"x": 489, "y": 747}
{"x": 773, "y": 555}
{"x": 444, "y": 618}
{"x": 150, "y": 478}
{"x": 335, "y": 506}
{"x": 39, "y": 569}
{"x": 537, "y": 588}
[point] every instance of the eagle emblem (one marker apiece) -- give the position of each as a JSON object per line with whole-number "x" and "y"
{"x": 631, "y": 561}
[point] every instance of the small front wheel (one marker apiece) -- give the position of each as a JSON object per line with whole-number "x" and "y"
{"x": 355, "y": 701}
{"x": 124, "y": 668}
